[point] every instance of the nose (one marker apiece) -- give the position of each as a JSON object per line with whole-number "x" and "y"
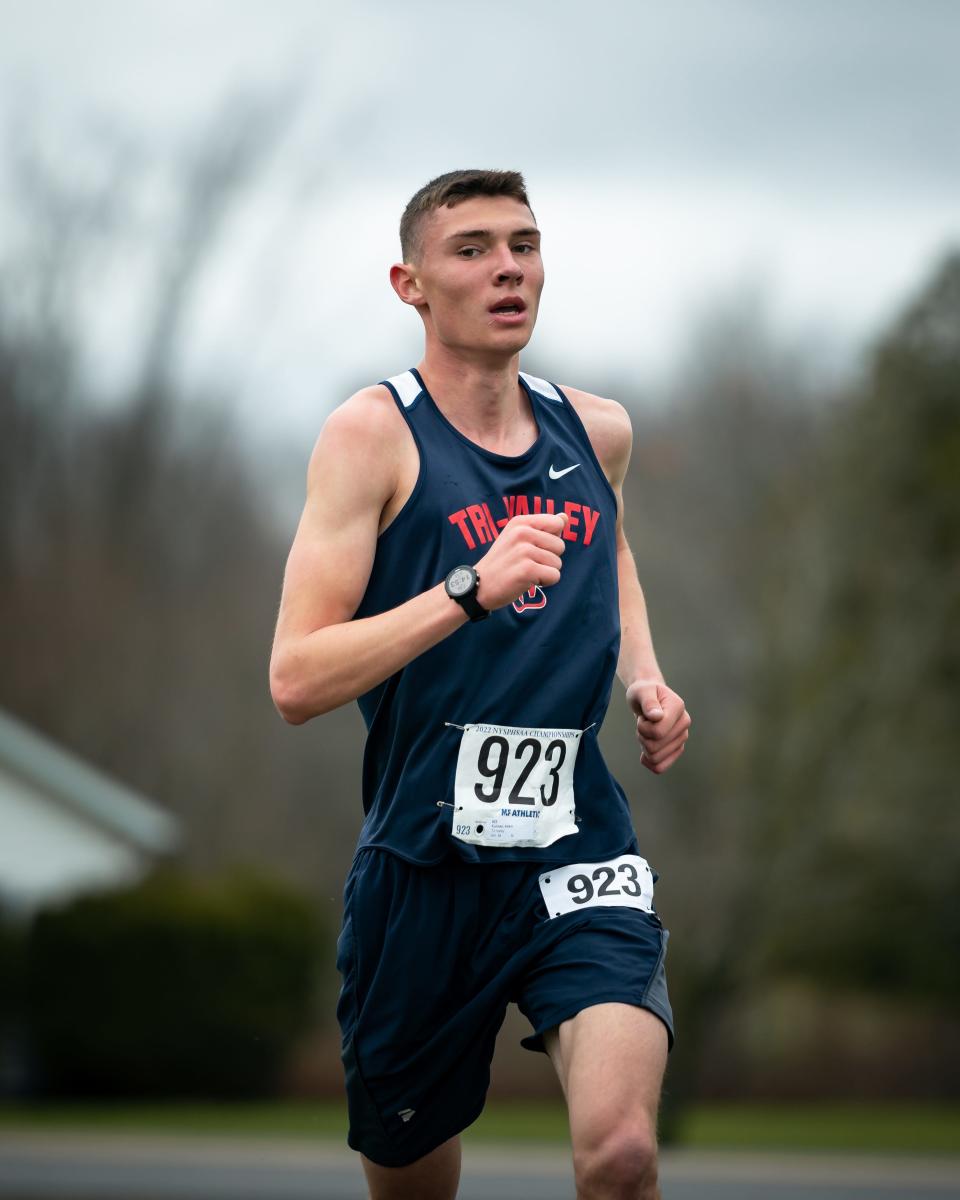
{"x": 508, "y": 269}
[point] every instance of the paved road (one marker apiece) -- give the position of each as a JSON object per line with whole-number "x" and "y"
{"x": 92, "y": 1167}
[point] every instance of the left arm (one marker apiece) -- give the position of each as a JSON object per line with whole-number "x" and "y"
{"x": 663, "y": 722}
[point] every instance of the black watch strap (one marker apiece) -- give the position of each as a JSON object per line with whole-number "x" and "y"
{"x": 472, "y": 606}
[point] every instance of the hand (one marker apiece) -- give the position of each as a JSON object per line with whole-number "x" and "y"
{"x": 526, "y": 553}
{"x": 663, "y": 723}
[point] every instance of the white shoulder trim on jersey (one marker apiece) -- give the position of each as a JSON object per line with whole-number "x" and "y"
{"x": 406, "y": 387}
{"x": 542, "y": 388}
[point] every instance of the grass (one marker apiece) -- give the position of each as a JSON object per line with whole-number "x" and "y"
{"x": 911, "y": 1128}
{"x": 891, "y": 1128}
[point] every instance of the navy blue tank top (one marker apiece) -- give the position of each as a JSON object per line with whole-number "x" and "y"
{"x": 546, "y": 660}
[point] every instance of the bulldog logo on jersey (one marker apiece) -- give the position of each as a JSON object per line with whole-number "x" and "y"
{"x": 532, "y": 598}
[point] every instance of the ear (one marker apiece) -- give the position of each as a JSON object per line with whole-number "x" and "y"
{"x": 405, "y": 283}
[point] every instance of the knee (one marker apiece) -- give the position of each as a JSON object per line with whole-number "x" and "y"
{"x": 621, "y": 1165}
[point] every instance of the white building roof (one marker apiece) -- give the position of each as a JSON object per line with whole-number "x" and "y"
{"x": 66, "y": 827}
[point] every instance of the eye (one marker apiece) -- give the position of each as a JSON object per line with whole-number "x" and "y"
{"x": 468, "y": 251}
{"x": 524, "y": 248}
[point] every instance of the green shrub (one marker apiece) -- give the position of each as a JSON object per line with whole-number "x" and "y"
{"x": 175, "y": 987}
{"x": 11, "y": 969}
{"x": 12, "y": 942}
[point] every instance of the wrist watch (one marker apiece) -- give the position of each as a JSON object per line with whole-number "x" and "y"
{"x": 461, "y": 585}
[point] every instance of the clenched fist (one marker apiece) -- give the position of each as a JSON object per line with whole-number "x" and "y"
{"x": 527, "y": 552}
{"x": 663, "y": 723}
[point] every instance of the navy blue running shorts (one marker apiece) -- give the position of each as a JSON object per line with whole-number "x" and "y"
{"x": 431, "y": 956}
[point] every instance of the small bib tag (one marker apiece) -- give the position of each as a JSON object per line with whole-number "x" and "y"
{"x": 514, "y": 785}
{"x": 624, "y": 881}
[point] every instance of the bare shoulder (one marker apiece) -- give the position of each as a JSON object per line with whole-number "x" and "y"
{"x": 609, "y": 428}
{"x": 367, "y": 425}
{"x": 365, "y": 438}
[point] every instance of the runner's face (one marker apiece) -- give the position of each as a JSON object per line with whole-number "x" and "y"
{"x": 481, "y": 274}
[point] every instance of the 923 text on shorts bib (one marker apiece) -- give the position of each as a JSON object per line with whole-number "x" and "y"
{"x": 623, "y": 882}
{"x": 514, "y": 785}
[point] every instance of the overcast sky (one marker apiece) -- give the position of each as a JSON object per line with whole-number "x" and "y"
{"x": 676, "y": 153}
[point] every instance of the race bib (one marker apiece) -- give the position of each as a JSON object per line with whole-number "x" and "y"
{"x": 624, "y": 881}
{"x": 514, "y": 786}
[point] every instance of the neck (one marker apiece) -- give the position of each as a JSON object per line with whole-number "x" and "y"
{"x": 482, "y": 397}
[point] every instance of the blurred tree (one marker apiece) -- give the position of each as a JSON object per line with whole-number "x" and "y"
{"x": 854, "y": 772}
{"x": 139, "y": 557}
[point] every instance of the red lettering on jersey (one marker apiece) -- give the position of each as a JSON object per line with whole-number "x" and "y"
{"x": 590, "y": 518}
{"x": 478, "y": 524}
{"x": 490, "y": 521}
{"x": 479, "y": 520}
{"x": 460, "y": 519}
{"x": 571, "y": 508}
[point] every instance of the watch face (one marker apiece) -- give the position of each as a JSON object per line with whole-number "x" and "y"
{"x": 460, "y": 581}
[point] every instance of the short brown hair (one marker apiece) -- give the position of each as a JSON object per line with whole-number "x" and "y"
{"x": 449, "y": 190}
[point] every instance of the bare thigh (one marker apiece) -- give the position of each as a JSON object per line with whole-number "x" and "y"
{"x": 433, "y": 1177}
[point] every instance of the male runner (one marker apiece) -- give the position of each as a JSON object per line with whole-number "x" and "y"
{"x": 461, "y": 571}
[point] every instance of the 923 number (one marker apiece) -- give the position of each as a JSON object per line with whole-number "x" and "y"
{"x": 582, "y": 889}
{"x": 528, "y": 749}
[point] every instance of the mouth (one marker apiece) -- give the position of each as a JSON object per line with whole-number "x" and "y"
{"x": 510, "y": 308}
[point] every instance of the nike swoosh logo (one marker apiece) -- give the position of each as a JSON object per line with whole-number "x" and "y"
{"x": 555, "y": 474}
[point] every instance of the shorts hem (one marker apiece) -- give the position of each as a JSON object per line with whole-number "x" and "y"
{"x": 534, "y": 1041}
{"x": 385, "y": 1155}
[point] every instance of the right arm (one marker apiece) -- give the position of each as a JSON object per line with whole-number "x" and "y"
{"x": 322, "y": 658}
